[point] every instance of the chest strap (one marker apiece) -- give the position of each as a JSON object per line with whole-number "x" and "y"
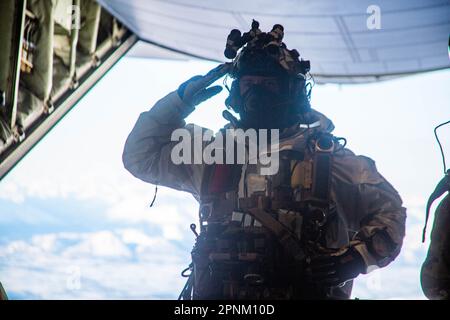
{"x": 324, "y": 148}
{"x": 286, "y": 237}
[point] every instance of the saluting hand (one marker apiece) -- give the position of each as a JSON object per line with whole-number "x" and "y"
{"x": 195, "y": 90}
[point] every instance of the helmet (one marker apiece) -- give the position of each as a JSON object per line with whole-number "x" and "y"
{"x": 264, "y": 54}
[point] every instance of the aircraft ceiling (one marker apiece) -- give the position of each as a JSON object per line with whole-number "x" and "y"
{"x": 332, "y": 34}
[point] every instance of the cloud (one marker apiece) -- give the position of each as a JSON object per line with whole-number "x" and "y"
{"x": 124, "y": 263}
{"x": 129, "y": 263}
{"x": 11, "y": 192}
{"x": 399, "y": 281}
{"x": 99, "y": 244}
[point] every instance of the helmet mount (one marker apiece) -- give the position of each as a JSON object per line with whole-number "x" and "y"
{"x": 263, "y": 53}
{"x": 258, "y": 53}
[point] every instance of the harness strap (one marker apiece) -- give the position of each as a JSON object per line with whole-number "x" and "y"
{"x": 322, "y": 168}
{"x": 286, "y": 237}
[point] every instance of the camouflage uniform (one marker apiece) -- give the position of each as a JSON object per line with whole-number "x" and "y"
{"x": 435, "y": 273}
{"x": 366, "y": 204}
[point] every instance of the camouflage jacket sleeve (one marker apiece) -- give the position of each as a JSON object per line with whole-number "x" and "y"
{"x": 147, "y": 151}
{"x": 435, "y": 271}
{"x": 372, "y": 209}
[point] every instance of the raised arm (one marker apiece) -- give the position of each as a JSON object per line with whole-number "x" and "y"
{"x": 147, "y": 151}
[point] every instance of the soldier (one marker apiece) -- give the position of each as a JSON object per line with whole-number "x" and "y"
{"x": 435, "y": 271}
{"x": 303, "y": 232}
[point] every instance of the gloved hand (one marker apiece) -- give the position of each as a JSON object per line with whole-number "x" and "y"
{"x": 195, "y": 90}
{"x": 335, "y": 269}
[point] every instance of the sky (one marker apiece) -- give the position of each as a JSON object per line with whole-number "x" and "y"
{"x": 74, "y": 224}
